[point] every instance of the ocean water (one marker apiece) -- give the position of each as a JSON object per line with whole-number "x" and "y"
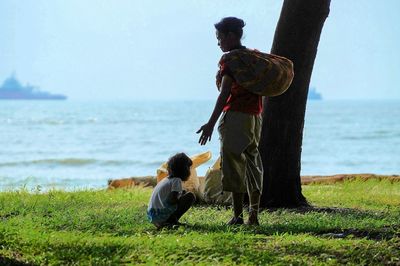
{"x": 76, "y": 144}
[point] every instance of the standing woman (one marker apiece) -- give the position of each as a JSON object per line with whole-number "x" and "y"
{"x": 239, "y": 128}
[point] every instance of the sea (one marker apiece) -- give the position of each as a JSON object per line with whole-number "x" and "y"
{"x": 74, "y": 145}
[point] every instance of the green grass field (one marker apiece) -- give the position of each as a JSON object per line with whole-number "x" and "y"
{"x": 110, "y": 227}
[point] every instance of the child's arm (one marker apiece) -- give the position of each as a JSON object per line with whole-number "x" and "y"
{"x": 173, "y": 197}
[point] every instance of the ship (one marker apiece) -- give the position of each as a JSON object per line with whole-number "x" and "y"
{"x": 313, "y": 94}
{"x": 12, "y": 89}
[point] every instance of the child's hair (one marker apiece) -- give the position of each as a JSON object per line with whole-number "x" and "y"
{"x": 179, "y": 166}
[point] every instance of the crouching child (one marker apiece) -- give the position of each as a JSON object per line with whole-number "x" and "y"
{"x": 169, "y": 202}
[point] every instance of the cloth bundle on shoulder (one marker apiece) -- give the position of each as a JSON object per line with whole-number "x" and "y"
{"x": 260, "y": 73}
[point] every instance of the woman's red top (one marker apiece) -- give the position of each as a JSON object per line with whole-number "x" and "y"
{"x": 240, "y": 99}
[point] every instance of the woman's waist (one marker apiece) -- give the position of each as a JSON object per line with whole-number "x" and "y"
{"x": 249, "y": 106}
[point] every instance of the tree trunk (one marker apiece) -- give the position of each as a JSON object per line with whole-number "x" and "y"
{"x": 296, "y": 37}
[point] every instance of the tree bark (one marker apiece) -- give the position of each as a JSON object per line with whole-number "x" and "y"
{"x": 296, "y": 37}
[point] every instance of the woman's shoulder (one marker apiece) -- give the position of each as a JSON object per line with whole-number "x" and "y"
{"x": 236, "y": 54}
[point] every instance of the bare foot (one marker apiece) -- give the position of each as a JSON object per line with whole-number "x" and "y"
{"x": 235, "y": 221}
{"x": 253, "y": 219}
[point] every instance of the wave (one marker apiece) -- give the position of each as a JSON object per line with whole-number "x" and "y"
{"x": 375, "y": 136}
{"x": 85, "y": 121}
{"x": 77, "y": 162}
{"x": 51, "y": 121}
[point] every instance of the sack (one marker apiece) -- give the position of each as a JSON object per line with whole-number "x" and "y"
{"x": 260, "y": 73}
{"x": 213, "y": 193}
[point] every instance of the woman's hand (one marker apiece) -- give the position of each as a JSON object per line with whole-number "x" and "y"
{"x": 207, "y": 130}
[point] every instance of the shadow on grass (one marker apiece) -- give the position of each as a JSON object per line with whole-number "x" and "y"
{"x": 330, "y": 210}
{"x": 11, "y": 262}
{"x": 379, "y": 233}
{"x": 9, "y": 215}
{"x": 383, "y": 233}
{"x": 300, "y": 224}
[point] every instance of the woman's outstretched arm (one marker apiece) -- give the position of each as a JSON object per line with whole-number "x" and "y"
{"x": 207, "y": 129}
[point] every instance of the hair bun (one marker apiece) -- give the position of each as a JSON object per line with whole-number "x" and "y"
{"x": 231, "y": 24}
{"x": 241, "y": 23}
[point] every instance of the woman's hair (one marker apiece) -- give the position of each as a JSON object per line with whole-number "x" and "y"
{"x": 179, "y": 166}
{"x": 230, "y": 24}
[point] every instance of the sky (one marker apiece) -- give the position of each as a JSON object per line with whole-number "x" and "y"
{"x": 156, "y": 49}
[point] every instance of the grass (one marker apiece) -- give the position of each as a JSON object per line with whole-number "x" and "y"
{"x": 110, "y": 227}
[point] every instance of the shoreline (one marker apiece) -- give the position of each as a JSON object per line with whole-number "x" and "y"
{"x": 320, "y": 179}
{"x": 150, "y": 181}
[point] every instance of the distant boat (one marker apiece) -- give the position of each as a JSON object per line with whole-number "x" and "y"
{"x": 13, "y": 90}
{"x": 314, "y": 95}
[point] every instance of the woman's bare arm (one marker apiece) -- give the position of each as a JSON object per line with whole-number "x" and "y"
{"x": 207, "y": 129}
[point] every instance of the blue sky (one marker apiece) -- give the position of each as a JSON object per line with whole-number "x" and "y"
{"x": 134, "y": 50}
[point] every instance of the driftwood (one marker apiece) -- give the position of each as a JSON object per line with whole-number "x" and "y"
{"x": 208, "y": 190}
{"x": 151, "y": 181}
{"x": 306, "y": 180}
{"x": 130, "y": 182}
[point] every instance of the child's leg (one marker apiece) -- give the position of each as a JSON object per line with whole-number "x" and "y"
{"x": 184, "y": 203}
